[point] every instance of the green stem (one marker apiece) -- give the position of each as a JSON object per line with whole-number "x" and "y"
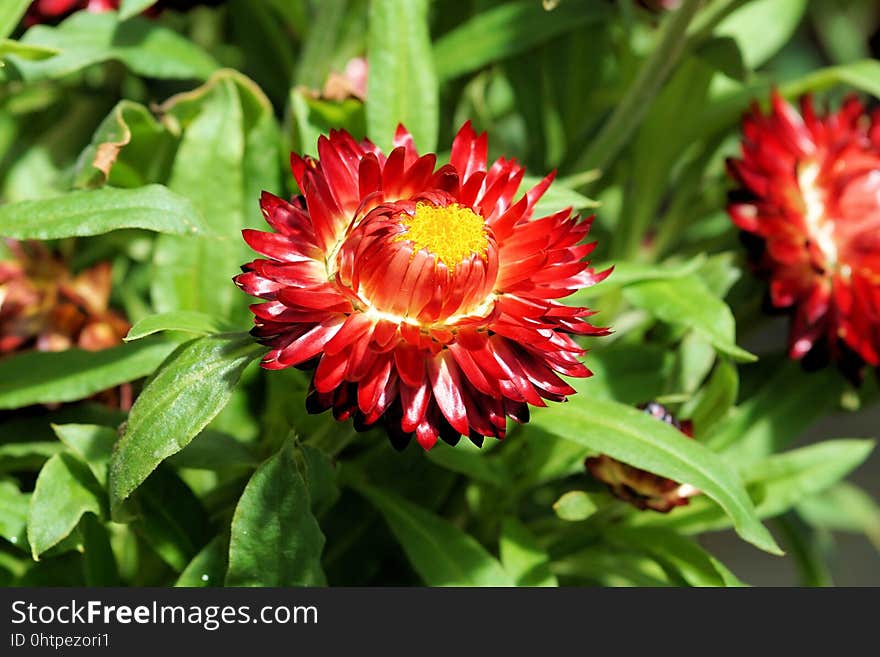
{"x": 634, "y": 105}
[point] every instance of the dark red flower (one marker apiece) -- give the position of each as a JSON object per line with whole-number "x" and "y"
{"x": 44, "y": 307}
{"x": 426, "y": 298}
{"x": 643, "y": 489}
{"x": 810, "y": 196}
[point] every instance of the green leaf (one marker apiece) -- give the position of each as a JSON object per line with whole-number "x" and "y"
{"x": 319, "y": 473}
{"x": 843, "y": 507}
{"x": 188, "y": 321}
{"x": 471, "y": 462}
{"x": 11, "y": 13}
{"x": 402, "y": 85}
{"x": 806, "y": 549}
{"x": 557, "y": 197}
{"x": 777, "y": 483}
{"x": 723, "y": 55}
{"x": 228, "y": 129}
{"x": 318, "y": 50}
{"x": 99, "y": 211}
{"x": 27, "y": 455}
{"x": 522, "y": 557}
{"x": 99, "y": 562}
{"x": 630, "y": 273}
{"x": 768, "y": 421}
{"x": 631, "y": 436}
{"x": 275, "y": 539}
{"x": 613, "y": 566}
{"x": 25, "y": 51}
{"x": 694, "y": 361}
{"x": 687, "y": 301}
{"x": 65, "y": 490}
{"x": 313, "y": 117}
{"x": 214, "y": 450}
{"x": 727, "y": 109}
{"x": 129, "y": 8}
{"x": 91, "y": 443}
{"x": 14, "y": 506}
{"x": 87, "y": 38}
{"x": 574, "y": 506}
{"x": 785, "y": 479}
{"x": 208, "y": 567}
{"x": 441, "y": 553}
{"x": 676, "y": 553}
{"x": 49, "y": 378}
{"x": 506, "y": 30}
{"x": 714, "y": 400}
{"x": 166, "y": 513}
{"x": 190, "y": 388}
{"x": 631, "y": 373}
{"x": 762, "y": 27}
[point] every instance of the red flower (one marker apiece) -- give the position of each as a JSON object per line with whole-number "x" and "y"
{"x": 426, "y": 299}
{"x": 811, "y": 196}
{"x": 48, "y": 11}
{"x": 643, "y": 489}
{"x": 52, "y": 11}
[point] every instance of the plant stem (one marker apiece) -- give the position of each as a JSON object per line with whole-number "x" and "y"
{"x": 634, "y": 105}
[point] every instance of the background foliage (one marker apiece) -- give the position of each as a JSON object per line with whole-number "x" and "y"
{"x": 147, "y": 141}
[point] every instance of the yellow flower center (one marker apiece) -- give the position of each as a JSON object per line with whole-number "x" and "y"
{"x": 450, "y": 233}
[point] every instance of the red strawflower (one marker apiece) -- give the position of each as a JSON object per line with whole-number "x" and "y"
{"x": 643, "y": 489}
{"x": 811, "y": 196}
{"x": 426, "y": 299}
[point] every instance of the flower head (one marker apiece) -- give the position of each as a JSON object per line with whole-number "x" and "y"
{"x": 643, "y": 489}
{"x": 425, "y": 297}
{"x": 53, "y": 11}
{"x": 48, "y": 11}
{"x": 44, "y": 307}
{"x": 810, "y": 201}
